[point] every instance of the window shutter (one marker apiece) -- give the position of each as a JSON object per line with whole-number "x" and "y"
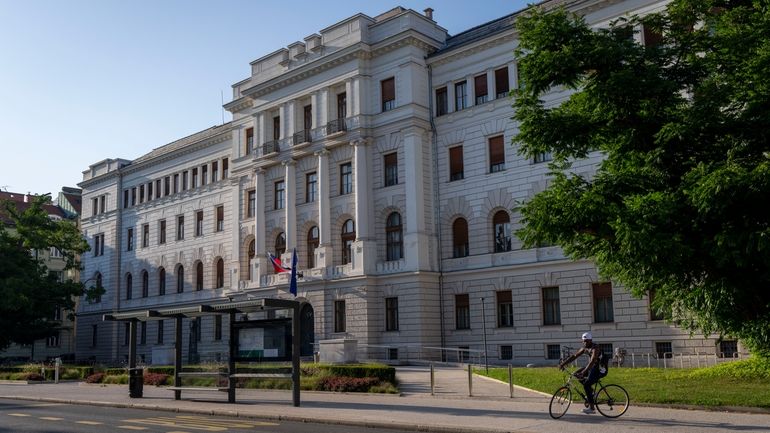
{"x": 602, "y": 290}
{"x": 501, "y": 80}
{"x": 504, "y": 296}
{"x": 481, "y": 85}
{"x": 496, "y": 151}
{"x": 456, "y": 160}
{"x": 389, "y": 89}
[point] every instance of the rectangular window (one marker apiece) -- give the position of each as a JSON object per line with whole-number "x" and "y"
{"x": 391, "y": 314}
{"x": 251, "y": 203}
{"x": 180, "y": 227}
{"x": 149, "y": 191}
{"x": 346, "y": 178}
{"x": 99, "y": 244}
{"x": 217, "y": 327}
{"x": 280, "y": 189}
{"x": 551, "y": 307}
{"x": 214, "y": 171}
{"x": 125, "y": 199}
{"x": 166, "y": 186}
{"x": 194, "y": 178}
{"x": 339, "y": 316}
{"x": 133, "y": 196}
{"x": 506, "y": 352}
{"x": 461, "y": 95}
{"x": 462, "y": 312}
{"x": 504, "y": 309}
{"x": 204, "y": 174}
{"x": 103, "y": 204}
{"x": 142, "y": 332}
{"x": 496, "y": 154}
{"x": 249, "y": 141}
{"x": 651, "y": 37}
{"x": 199, "y": 223}
{"x": 388, "y": 94}
{"x": 663, "y": 349}
{"x": 603, "y": 302}
{"x": 94, "y": 206}
{"x": 606, "y": 349}
{"x": 342, "y": 106}
{"x": 160, "y": 332}
{"x": 390, "y": 162}
{"x": 276, "y": 127}
{"x": 176, "y": 183}
{"x": 480, "y": 87}
{"x": 184, "y": 180}
{"x": 157, "y": 189}
{"x": 162, "y": 232}
{"x": 655, "y": 314}
{"x": 52, "y": 341}
{"x": 456, "y": 168}
{"x": 130, "y": 239}
{"x": 442, "y": 102}
{"x": 553, "y": 351}
{"x": 728, "y": 349}
{"x": 141, "y": 194}
{"x": 543, "y": 157}
{"x": 501, "y": 82}
{"x": 225, "y": 168}
{"x": 311, "y": 187}
{"x": 145, "y": 235}
{"x": 220, "y": 218}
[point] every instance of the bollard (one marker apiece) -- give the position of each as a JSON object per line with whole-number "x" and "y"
{"x": 470, "y": 381}
{"x": 57, "y": 365}
{"x": 633, "y": 360}
{"x": 432, "y": 380}
{"x": 510, "y": 378}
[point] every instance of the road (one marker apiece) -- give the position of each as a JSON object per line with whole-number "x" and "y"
{"x": 18, "y": 416}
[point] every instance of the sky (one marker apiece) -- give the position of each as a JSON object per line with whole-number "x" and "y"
{"x": 82, "y": 81}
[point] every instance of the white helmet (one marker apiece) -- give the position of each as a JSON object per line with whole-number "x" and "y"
{"x": 587, "y": 336}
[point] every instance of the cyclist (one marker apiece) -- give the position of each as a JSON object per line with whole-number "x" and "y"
{"x": 592, "y": 372}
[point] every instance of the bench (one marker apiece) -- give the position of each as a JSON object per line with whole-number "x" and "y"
{"x": 262, "y": 375}
{"x": 196, "y": 388}
{"x": 201, "y": 373}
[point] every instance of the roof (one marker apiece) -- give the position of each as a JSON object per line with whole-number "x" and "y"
{"x": 182, "y": 142}
{"x": 22, "y": 202}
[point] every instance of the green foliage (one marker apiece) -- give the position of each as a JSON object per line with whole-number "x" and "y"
{"x": 29, "y": 293}
{"x": 752, "y": 369}
{"x": 676, "y": 205}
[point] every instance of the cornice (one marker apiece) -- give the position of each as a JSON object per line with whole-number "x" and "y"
{"x": 186, "y": 150}
{"x": 98, "y": 179}
{"x": 475, "y": 47}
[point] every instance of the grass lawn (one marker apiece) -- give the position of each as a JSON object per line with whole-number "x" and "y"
{"x": 740, "y": 383}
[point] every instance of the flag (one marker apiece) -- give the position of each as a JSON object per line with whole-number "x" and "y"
{"x": 277, "y": 265}
{"x": 293, "y": 281}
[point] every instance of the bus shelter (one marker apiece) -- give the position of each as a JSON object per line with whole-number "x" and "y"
{"x": 231, "y": 309}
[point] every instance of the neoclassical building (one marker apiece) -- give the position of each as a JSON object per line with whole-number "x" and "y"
{"x": 380, "y": 149}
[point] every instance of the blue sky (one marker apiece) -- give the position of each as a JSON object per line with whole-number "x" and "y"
{"x": 81, "y": 81}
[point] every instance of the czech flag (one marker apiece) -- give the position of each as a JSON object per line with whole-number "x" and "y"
{"x": 277, "y": 265}
{"x": 280, "y": 268}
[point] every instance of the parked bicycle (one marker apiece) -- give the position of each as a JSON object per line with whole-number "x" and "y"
{"x": 610, "y": 400}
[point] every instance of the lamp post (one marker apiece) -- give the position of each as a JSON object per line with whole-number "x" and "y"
{"x": 484, "y": 327}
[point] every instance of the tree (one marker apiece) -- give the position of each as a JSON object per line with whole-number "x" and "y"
{"x": 681, "y": 123}
{"x": 29, "y": 294}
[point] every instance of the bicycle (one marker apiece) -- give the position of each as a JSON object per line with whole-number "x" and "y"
{"x": 610, "y": 400}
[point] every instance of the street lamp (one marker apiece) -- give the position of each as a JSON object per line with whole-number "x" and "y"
{"x": 484, "y": 327}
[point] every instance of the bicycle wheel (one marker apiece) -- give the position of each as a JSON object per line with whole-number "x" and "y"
{"x": 560, "y": 402}
{"x": 612, "y": 401}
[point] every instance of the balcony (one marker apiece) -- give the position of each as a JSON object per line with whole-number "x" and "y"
{"x": 302, "y": 137}
{"x": 270, "y": 147}
{"x": 337, "y": 125}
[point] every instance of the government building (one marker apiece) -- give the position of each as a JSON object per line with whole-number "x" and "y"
{"x": 379, "y": 148}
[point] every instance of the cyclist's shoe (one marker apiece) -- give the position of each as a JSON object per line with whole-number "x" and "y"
{"x": 588, "y": 410}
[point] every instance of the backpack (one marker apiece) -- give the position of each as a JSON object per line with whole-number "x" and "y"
{"x": 604, "y": 362}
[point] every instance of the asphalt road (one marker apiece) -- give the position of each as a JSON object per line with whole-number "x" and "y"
{"x": 18, "y": 416}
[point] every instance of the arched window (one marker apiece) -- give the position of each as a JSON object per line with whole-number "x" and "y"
{"x": 220, "y": 280}
{"x": 145, "y": 284}
{"x": 199, "y": 276}
{"x": 501, "y": 222}
{"x": 180, "y": 279}
{"x": 252, "y": 253}
{"x": 312, "y": 244}
{"x": 348, "y": 236}
{"x": 280, "y": 244}
{"x": 394, "y": 247}
{"x": 129, "y": 286}
{"x": 460, "y": 238}
{"x": 161, "y": 282}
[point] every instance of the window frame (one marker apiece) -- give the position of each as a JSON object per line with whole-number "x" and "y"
{"x": 388, "y": 94}
{"x": 391, "y": 314}
{"x": 601, "y": 295}
{"x": 551, "y": 306}
{"x": 456, "y": 163}
{"x": 346, "y": 178}
{"x": 390, "y": 168}
{"x": 340, "y": 318}
{"x": 394, "y": 238}
{"x": 462, "y": 312}
{"x": 279, "y": 195}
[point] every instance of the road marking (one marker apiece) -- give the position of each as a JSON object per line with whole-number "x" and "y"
{"x": 47, "y": 404}
{"x": 89, "y": 422}
{"x": 18, "y": 414}
{"x": 51, "y": 418}
{"x": 226, "y": 423}
{"x": 198, "y": 423}
{"x": 132, "y": 427}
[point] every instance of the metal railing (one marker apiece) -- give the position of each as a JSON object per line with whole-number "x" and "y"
{"x": 302, "y": 137}
{"x": 334, "y": 126}
{"x": 270, "y": 147}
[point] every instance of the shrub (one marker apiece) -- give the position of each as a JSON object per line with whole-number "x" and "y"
{"x": 347, "y": 384}
{"x": 32, "y": 376}
{"x": 121, "y": 379}
{"x": 754, "y": 368}
{"x": 95, "y": 378}
{"x": 156, "y": 379}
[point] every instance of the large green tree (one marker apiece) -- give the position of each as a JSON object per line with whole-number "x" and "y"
{"x": 678, "y": 203}
{"x": 29, "y": 293}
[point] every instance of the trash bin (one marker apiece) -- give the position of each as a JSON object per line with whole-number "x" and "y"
{"x": 135, "y": 382}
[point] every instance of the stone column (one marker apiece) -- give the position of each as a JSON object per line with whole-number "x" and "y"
{"x": 261, "y": 132}
{"x": 364, "y": 254}
{"x": 290, "y": 208}
{"x": 235, "y": 234}
{"x": 349, "y": 96}
{"x": 322, "y": 112}
{"x": 450, "y": 96}
{"x": 416, "y": 241}
{"x": 470, "y": 86}
{"x": 314, "y": 109}
{"x": 491, "y": 88}
{"x": 260, "y": 254}
{"x": 323, "y": 254}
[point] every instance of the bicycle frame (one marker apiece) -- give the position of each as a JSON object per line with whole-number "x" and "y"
{"x": 610, "y": 400}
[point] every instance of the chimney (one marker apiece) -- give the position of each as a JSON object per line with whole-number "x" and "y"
{"x": 429, "y": 13}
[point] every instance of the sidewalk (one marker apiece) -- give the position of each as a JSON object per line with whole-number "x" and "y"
{"x": 490, "y": 409}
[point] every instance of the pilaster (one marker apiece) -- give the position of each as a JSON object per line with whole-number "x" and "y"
{"x": 323, "y": 254}
{"x": 260, "y": 254}
{"x": 416, "y": 241}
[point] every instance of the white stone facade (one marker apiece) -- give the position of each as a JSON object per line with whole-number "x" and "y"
{"x": 317, "y": 159}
